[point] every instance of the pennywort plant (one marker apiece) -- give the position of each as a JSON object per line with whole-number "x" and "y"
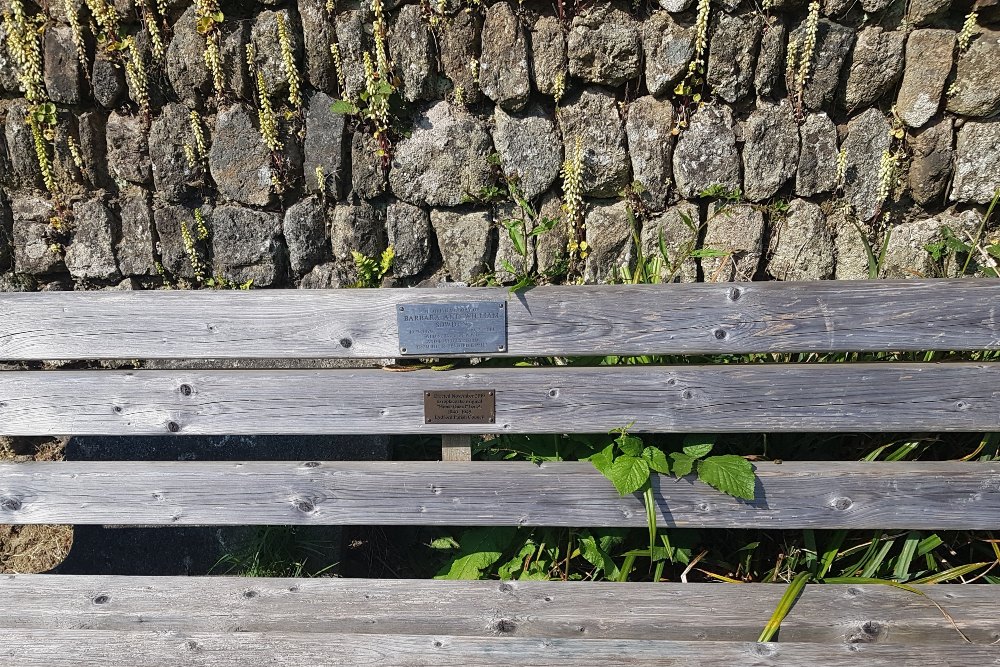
{"x": 209, "y": 17}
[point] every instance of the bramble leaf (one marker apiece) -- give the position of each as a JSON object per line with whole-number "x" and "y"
{"x": 630, "y": 444}
{"x": 628, "y": 474}
{"x": 603, "y": 459}
{"x": 730, "y": 474}
{"x": 683, "y": 464}
{"x": 656, "y": 459}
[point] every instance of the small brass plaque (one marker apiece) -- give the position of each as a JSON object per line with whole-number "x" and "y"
{"x": 478, "y": 327}
{"x": 460, "y": 406}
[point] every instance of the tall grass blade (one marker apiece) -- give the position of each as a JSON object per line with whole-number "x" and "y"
{"x": 952, "y": 573}
{"x": 785, "y": 605}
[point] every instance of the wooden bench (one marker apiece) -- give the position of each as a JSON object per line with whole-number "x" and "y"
{"x": 82, "y": 620}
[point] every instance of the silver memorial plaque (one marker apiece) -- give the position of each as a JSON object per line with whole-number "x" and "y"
{"x": 477, "y": 327}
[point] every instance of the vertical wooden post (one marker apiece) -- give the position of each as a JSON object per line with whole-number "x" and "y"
{"x": 456, "y": 447}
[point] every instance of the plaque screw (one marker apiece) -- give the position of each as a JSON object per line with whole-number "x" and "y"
{"x": 500, "y": 348}
{"x": 502, "y": 305}
{"x": 400, "y": 309}
{"x": 403, "y": 350}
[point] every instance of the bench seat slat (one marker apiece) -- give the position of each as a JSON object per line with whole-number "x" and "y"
{"x": 591, "y": 610}
{"x": 41, "y": 648}
{"x": 920, "y": 495}
{"x": 718, "y": 398}
{"x": 555, "y": 321}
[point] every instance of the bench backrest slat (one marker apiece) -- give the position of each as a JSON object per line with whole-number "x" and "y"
{"x": 559, "y": 321}
{"x": 717, "y": 398}
{"x": 820, "y": 495}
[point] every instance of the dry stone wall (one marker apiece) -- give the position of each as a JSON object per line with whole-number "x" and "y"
{"x": 149, "y": 143}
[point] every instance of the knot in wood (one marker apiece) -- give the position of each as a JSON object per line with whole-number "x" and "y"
{"x": 735, "y": 293}
{"x": 505, "y": 626}
{"x": 102, "y": 599}
{"x": 346, "y": 343}
{"x": 10, "y": 504}
{"x": 305, "y": 506}
{"x": 185, "y": 389}
{"x": 719, "y": 334}
{"x": 311, "y": 464}
{"x": 842, "y": 503}
{"x": 173, "y": 427}
{"x": 506, "y": 588}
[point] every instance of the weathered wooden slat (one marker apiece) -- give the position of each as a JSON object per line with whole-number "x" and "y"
{"x": 96, "y": 648}
{"x": 720, "y": 398}
{"x": 921, "y": 495}
{"x": 565, "y": 320}
{"x": 581, "y": 610}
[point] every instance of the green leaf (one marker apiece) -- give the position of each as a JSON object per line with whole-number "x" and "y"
{"x": 544, "y": 226}
{"x": 705, "y": 253}
{"x": 656, "y": 459}
{"x": 698, "y": 451}
{"x": 344, "y": 108}
{"x": 628, "y": 474}
{"x": 481, "y": 549}
{"x": 730, "y": 474}
{"x": 596, "y": 553}
{"x": 603, "y": 459}
{"x": 444, "y": 543}
{"x": 515, "y": 230}
{"x": 511, "y": 568}
{"x": 682, "y": 464}
{"x": 630, "y": 444}
{"x": 698, "y": 445}
{"x": 785, "y": 605}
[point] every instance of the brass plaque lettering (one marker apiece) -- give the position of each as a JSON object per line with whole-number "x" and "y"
{"x": 460, "y": 406}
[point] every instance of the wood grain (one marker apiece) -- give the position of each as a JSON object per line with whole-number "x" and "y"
{"x": 921, "y": 495}
{"x": 97, "y": 648}
{"x": 719, "y": 398}
{"x": 553, "y": 321}
{"x": 456, "y": 448}
{"x": 582, "y": 610}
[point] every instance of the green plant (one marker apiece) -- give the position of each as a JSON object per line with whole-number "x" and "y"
{"x": 573, "y": 204}
{"x": 950, "y": 248}
{"x": 799, "y": 61}
{"x": 689, "y": 89}
{"x": 629, "y": 464}
{"x": 149, "y": 19}
{"x": 191, "y": 239}
{"x": 370, "y": 272}
{"x": 42, "y": 122}
{"x": 209, "y": 18}
{"x": 969, "y": 29}
{"x": 77, "y": 32}
{"x": 522, "y": 230}
{"x": 375, "y": 104}
{"x": 267, "y": 119}
{"x": 277, "y": 551}
{"x": 23, "y": 44}
{"x": 138, "y": 78}
{"x": 875, "y": 262}
{"x": 288, "y": 65}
